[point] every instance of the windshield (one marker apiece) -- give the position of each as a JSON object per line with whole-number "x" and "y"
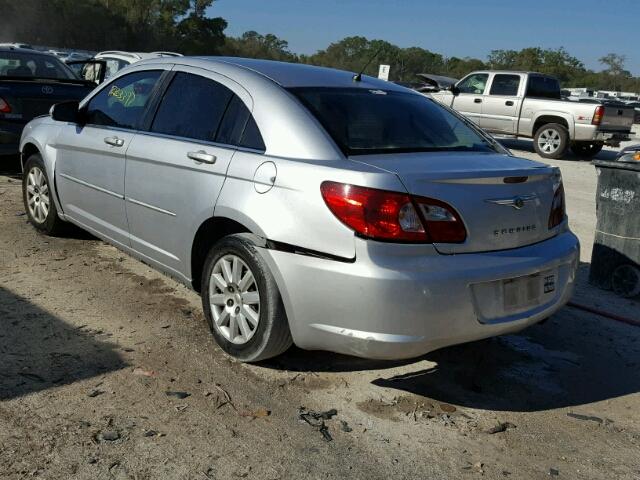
{"x": 33, "y": 65}
{"x": 363, "y": 121}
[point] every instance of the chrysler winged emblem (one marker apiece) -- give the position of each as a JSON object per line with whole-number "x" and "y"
{"x": 47, "y": 90}
{"x": 517, "y": 202}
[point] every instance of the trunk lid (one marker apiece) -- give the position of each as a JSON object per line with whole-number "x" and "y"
{"x": 617, "y": 118}
{"x": 31, "y": 98}
{"x": 497, "y": 215}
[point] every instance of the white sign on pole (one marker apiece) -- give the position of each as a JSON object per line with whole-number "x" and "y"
{"x": 383, "y": 72}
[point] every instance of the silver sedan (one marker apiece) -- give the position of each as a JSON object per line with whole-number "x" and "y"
{"x": 307, "y": 205}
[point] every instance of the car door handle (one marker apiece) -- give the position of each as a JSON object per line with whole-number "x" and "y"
{"x": 114, "y": 141}
{"x": 509, "y": 103}
{"x": 202, "y": 157}
{"x": 477, "y": 100}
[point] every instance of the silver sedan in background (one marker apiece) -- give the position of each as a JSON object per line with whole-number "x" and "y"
{"x": 307, "y": 205}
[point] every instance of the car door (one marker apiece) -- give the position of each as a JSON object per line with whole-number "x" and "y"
{"x": 501, "y": 106}
{"x": 176, "y": 170}
{"x": 90, "y": 165}
{"x": 469, "y": 100}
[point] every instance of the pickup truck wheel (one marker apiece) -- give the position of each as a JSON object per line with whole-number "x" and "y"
{"x": 551, "y": 140}
{"x": 586, "y": 149}
{"x": 38, "y": 199}
{"x": 242, "y": 303}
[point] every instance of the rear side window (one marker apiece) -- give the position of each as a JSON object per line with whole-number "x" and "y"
{"x": 114, "y": 65}
{"x": 233, "y": 122}
{"x": 251, "y": 138}
{"x": 239, "y": 128}
{"x": 122, "y": 102}
{"x": 505, "y": 85}
{"x": 543, "y": 87}
{"x": 192, "y": 107}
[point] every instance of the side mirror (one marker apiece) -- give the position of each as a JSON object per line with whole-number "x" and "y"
{"x": 454, "y": 90}
{"x": 66, "y": 112}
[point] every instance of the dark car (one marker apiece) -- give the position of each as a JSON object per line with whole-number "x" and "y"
{"x": 30, "y": 83}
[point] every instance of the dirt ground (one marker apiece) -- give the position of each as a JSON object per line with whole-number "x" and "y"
{"x": 108, "y": 371}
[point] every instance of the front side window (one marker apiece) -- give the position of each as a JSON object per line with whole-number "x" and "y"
{"x": 122, "y": 102}
{"x": 505, "y": 85}
{"x": 192, "y": 107}
{"x": 475, "y": 83}
{"x": 363, "y": 121}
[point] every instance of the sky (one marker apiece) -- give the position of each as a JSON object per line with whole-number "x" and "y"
{"x": 588, "y": 29}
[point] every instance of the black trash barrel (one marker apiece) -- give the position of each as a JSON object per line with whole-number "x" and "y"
{"x": 616, "y": 250}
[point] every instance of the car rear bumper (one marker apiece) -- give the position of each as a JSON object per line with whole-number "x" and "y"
{"x": 591, "y": 133}
{"x": 402, "y": 301}
{"x": 10, "y": 138}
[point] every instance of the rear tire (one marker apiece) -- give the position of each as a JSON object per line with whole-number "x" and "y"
{"x": 586, "y": 149}
{"x": 241, "y": 302}
{"x": 38, "y": 198}
{"x": 551, "y": 140}
{"x": 625, "y": 281}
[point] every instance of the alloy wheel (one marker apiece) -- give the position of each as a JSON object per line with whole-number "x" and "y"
{"x": 549, "y": 140}
{"x": 38, "y": 200}
{"x": 234, "y": 299}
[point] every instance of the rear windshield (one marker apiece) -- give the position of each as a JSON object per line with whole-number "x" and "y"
{"x": 363, "y": 121}
{"x": 28, "y": 65}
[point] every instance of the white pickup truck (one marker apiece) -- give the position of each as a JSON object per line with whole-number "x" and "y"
{"x": 527, "y": 104}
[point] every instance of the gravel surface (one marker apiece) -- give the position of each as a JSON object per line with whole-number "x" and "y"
{"x": 107, "y": 370}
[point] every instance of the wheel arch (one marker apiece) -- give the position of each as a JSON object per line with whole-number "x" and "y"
{"x": 209, "y": 232}
{"x": 558, "y": 118}
{"x": 28, "y": 149}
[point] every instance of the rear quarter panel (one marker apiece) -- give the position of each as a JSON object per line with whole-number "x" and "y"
{"x": 535, "y": 108}
{"x": 293, "y": 210}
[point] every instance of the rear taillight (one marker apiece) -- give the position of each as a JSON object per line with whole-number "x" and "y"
{"x": 443, "y": 223}
{"x": 392, "y": 216}
{"x": 597, "y": 115}
{"x": 4, "y": 106}
{"x": 558, "y": 211}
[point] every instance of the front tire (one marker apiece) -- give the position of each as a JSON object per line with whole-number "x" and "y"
{"x": 242, "y": 303}
{"x": 586, "y": 149}
{"x": 38, "y": 198}
{"x": 551, "y": 140}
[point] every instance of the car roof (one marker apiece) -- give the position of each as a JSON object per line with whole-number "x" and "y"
{"x": 515, "y": 72}
{"x": 136, "y": 55}
{"x": 4, "y": 48}
{"x": 285, "y": 74}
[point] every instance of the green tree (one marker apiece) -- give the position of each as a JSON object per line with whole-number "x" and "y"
{"x": 615, "y": 64}
{"x": 353, "y": 53}
{"x": 254, "y": 45}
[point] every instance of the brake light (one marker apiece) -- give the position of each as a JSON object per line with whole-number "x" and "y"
{"x": 443, "y": 223}
{"x": 4, "y": 106}
{"x": 597, "y": 115}
{"x": 392, "y": 216}
{"x": 558, "y": 211}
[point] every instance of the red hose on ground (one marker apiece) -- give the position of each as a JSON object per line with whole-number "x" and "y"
{"x": 602, "y": 313}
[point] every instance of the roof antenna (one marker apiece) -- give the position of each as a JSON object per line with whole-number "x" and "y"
{"x": 358, "y": 77}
